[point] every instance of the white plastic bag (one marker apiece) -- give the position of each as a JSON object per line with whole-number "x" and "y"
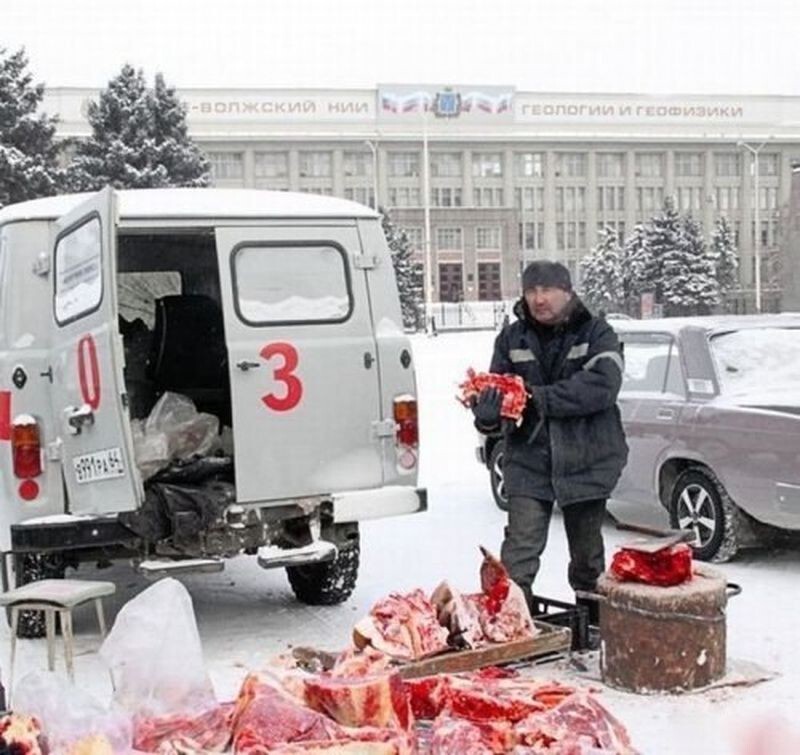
{"x": 155, "y": 656}
{"x": 69, "y": 715}
{"x": 174, "y": 430}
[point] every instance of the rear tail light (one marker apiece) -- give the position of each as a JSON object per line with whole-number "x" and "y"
{"x": 406, "y": 431}
{"x": 26, "y": 448}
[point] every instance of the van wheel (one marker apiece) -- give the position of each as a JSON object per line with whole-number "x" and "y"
{"x": 328, "y": 583}
{"x": 701, "y": 504}
{"x": 30, "y": 567}
{"x": 497, "y": 476}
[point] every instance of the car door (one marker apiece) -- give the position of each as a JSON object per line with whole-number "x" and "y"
{"x": 88, "y": 392}
{"x": 303, "y": 361}
{"x": 651, "y": 400}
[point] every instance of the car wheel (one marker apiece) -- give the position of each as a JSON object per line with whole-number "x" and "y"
{"x": 497, "y": 476}
{"x": 328, "y": 583}
{"x": 701, "y": 504}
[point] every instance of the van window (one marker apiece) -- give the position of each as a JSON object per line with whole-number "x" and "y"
{"x": 286, "y": 283}
{"x": 138, "y": 293}
{"x": 78, "y": 272}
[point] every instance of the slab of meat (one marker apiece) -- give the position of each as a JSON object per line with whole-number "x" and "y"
{"x": 266, "y": 717}
{"x": 209, "y": 731}
{"x": 454, "y": 735}
{"x": 515, "y": 397}
{"x": 460, "y": 614}
{"x": 21, "y": 735}
{"x": 378, "y": 700}
{"x": 347, "y": 747}
{"x": 404, "y": 627}
{"x": 579, "y": 721}
{"x": 353, "y": 662}
{"x": 665, "y": 567}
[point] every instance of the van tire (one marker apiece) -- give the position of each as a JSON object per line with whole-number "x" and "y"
{"x": 328, "y": 583}
{"x": 29, "y": 567}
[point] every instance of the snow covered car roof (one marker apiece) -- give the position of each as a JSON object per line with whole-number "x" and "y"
{"x": 197, "y": 203}
{"x": 712, "y": 323}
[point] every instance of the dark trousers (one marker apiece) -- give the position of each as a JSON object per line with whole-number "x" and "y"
{"x": 526, "y": 537}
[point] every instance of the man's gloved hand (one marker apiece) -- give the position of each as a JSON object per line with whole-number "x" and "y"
{"x": 487, "y": 407}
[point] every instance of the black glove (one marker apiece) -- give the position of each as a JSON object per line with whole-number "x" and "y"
{"x": 487, "y": 408}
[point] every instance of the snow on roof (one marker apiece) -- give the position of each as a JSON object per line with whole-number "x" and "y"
{"x": 712, "y": 323}
{"x": 197, "y": 203}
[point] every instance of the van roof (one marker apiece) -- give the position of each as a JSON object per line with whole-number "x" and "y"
{"x": 197, "y": 203}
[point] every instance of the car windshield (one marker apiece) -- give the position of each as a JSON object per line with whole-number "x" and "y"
{"x": 757, "y": 359}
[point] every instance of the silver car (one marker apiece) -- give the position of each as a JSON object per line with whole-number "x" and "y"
{"x": 711, "y": 408}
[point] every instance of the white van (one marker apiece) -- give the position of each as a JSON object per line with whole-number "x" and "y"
{"x": 264, "y": 331}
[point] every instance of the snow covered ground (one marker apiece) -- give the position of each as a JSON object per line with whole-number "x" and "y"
{"x": 246, "y": 614}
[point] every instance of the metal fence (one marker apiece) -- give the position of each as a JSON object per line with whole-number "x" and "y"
{"x": 472, "y": 315}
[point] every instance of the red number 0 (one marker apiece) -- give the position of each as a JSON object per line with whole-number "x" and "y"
{"x": 285, "y": 375}
{"x": 89, "y": 372}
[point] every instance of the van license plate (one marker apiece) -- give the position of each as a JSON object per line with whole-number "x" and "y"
{"x": 100, "y": 465}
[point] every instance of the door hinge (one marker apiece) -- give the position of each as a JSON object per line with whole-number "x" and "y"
{"x": 365, "y": 262}
{"x": 384, "y": 428}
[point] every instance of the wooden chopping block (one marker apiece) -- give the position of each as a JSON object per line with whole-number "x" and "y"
{"x": 663, "y": 639}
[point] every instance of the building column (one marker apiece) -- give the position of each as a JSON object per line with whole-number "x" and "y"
{"x": 383, "y": 178}
{"x": 630, "y": 190}
{"x": 710, "y": 209}
{"x": 466, "y": 178}
{"x": 249, "y": 168}
{"x": 746, "y": 248}
{"x": 669, "y": 175}
{"x": 294, "y": 170}
{"x": 338, "y": 173}
{"x": 550, "y": 250}
{"x": 591, "y": 201}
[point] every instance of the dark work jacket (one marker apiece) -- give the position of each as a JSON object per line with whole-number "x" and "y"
{"x": 570, "y": 446}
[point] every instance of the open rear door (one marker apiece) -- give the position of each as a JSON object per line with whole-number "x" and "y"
{"x": 88, "y": 390}
{"x": 303, "y": 361}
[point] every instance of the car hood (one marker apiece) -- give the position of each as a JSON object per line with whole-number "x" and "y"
{"x": 783, "y": 399}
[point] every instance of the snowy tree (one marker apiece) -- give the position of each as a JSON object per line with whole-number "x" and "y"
{"x": 689, "y": 285}
{"x": 636, "y": 265}
{"x": 407, "y": 272}
{"x": 662, "y": 237}
{"x": 28, "y": 149}
{"x": 724, "y": 255}
{"x": 601, "y": 274}
{"x": 139, "y": 139}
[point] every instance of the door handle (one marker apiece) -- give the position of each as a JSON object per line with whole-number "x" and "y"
{"x": 244, "y": 365}
{"x": 665, "y": 414}
{"x": 77, "y": 417}
{"x": 368, "y": 359}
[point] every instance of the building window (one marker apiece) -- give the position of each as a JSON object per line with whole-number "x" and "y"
{"x": 451, "y": 282}
{"x": 449, "y": 239}
{"x": 690, "y": 198}
{"x": 415, "y": 237}
{"x": 610, "y": 165}
{"x": 530, "y": 164}
{"x": 488, "y": 238}
{"x": 570, "y": 235}
{"x": 326, "y": 191}
{"x": 727, "y": 198}
{"x": 534, "y": 235}
{"x": 489, "y": 285}
{"x": 768, "y": 198}
{"x": 650, "y": 165}
{"x": 768, "y": 165}
{"x": 649, "y": 198}
{"x": 488, "y": 197}
{"x": 570, "y": 199}
{"x": 530, "y": 198}
{"x": 446, "y": 165}
{"x": 404, "y": 196}
{"x": 404, "y": 164}
{"x": 688, "y": 164}
{"x": 358, "y": 164}
{"x": 571, "y": 164}
{"x": 226, "y": 165}
{"x": 445, "y": 196}
{"x": 727, "y": 165}
{"x": 316, "y": 165}
{"x": 487, "y": 165}
{"x": 362, "y": 194}
{"x": 271, "y": 165}
{"x": 617, "y": 226}
{"x": 610, "y": 198}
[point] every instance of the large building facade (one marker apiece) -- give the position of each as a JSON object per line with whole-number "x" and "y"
{"x": 486, "y": 178}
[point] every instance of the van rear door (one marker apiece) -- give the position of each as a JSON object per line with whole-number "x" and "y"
{"x": 302, "y": 359}
{"x": 88, "y": 388}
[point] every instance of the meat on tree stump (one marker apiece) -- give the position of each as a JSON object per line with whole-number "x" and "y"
{"x": 663, "y": 639}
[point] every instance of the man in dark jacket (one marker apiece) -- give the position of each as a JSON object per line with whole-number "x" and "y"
{"x": 570, "y": 447}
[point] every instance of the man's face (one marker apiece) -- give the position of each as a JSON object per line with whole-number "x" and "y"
{"x": 547, "y": 304}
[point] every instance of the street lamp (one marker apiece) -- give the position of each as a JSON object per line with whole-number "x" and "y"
{"x": 754, "y": 152}
{"x": 374, "y": 147}
{"x": 426, "y": 206}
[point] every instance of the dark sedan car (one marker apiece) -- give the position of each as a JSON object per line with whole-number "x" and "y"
{"x": 711, "y": 408}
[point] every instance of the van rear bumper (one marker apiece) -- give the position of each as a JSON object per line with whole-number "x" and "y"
{"x": 377, "y": 503}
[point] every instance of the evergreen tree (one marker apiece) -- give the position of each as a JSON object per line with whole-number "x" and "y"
{"x": 601, "y": 274}
{"x": 28, "y": 149}
{"x": 408, "y": 273}
{"x": 690, "y": 285}
{"x": 636, "y": 264}
{"x": 662, "y": 238}
{"x": 724, "y": 255}
{"x": 139, "y": 139}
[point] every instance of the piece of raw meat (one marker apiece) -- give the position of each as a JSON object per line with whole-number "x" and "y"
{"x": 400, "y": 746}
{"x": 353, "y": 662}
{"x": 209, "y": 731}
{"x": 404, "y": 627}
{"x": 515, "y": 396}
{"x": 460, "y": 615}
{"x": 665, "y": 567}
{"x": 379, "y": 700}
{"x": 453, "y": 735}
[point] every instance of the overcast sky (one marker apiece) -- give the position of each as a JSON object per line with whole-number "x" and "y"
{"x": 642, "y": 46}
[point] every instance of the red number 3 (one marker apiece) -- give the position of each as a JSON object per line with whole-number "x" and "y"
{"x": 285, "y": 375}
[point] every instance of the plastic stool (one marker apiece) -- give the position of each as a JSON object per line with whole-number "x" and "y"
{"x": 55, "y": 596}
